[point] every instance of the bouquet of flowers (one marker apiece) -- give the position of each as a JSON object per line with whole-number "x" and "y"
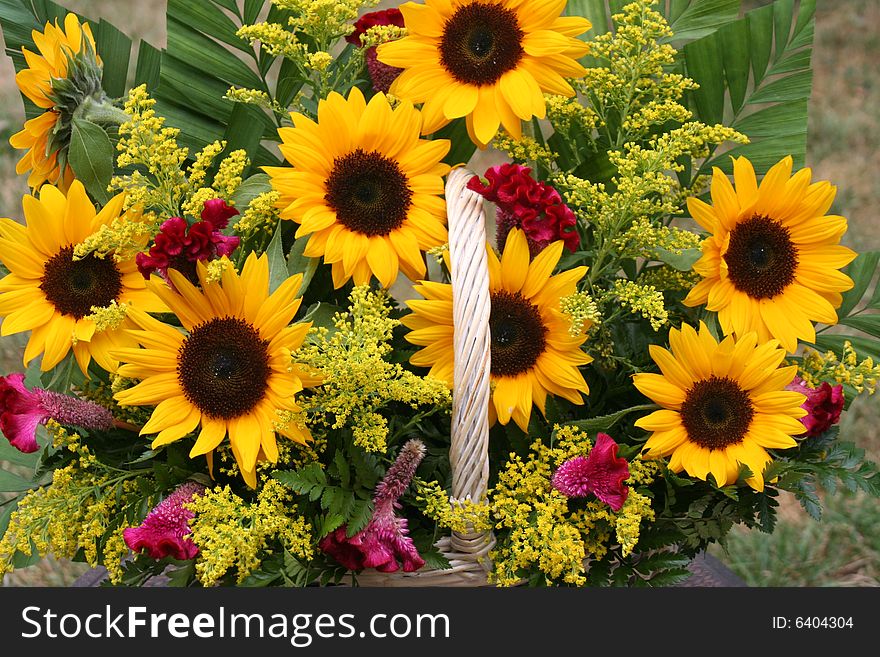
{"x": 273, "y": 340}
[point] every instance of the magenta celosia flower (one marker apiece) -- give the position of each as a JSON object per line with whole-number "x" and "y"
{"x": 381, "y": 74}
{"x": 600, "y": 473}
{"x": 523, "y": 202}
{"x": 22, "y": 410}
{"x": 164, "y": 531}
{"x": 823, "y": 406}
{"x": 179, "y": 245}
{"x": 384, "y": 544}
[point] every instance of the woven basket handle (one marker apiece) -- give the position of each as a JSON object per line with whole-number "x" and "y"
{"x": 469, "y": 454}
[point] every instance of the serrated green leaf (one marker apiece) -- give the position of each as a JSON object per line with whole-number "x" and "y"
{"x": 360, "y": 515}
{"x": 342, "y": 468}
{"x": 91, "y": 158}
{"x": 605, "y": 422}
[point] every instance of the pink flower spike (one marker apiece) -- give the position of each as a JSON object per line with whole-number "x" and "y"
{"x": 384, "y": 544}
{"x": 601, "y": 473}
{"x": 23, "y": 410}
{"x": 164, "y": 532}
{"x": 823, "y": 406}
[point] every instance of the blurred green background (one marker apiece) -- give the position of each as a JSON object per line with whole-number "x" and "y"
{"x": 843, "y": 549}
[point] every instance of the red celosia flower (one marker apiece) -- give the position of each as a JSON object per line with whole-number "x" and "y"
{"x": 384, "y": 544}
{"x": 179, "y": 245}
{"x": 164, "y": 531}
{"x": 823, "y": 406}
{"x": 381, "y": 74}
{"x": 22, "y": 410}
{"x": 523, "y": 202}
{"x": 600, "y": 473}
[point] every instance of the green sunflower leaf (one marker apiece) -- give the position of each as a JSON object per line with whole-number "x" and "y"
{"x": 91, "y": 158}
{"x": 861, "y": 271}
{"x": 605, "y": 422}
{"x": 277, "y": 262}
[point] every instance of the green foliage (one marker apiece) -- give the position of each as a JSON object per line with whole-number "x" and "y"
{"x": 91, "y": 158}
{"x": 755, "y": 76}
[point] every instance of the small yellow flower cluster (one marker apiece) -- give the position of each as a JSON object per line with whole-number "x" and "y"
{"x": 215, "y": 269}
{"x": 582, "y": 310}
{"x": 233, "y": 534}
{"x": 275, "y": 40}
{"x": 229, "y": 174}
{"x": 122, "y": 237}
{"x": 461, "y": 516}
{"x": 109, "y": 317}
{"x": 524, "y": 149}
{"x": 198, "y": 170}
{"x": 634, "y": 83}
{"x": 645, "y": 300}
{"x": 862, "y": 375}
{"x": 144, "y": 141}
{"x": 324, "y": 20}
{"x": 644, "y": 184}
{"x": 655, "y": 112}
{"x": 319, "y": 61}
{"x": 379, "y": 34}
{"x": 542, "y": 532}
{"x": 439, "y": 253}
{"x": 669, "y": 279}
{"x": 569, "y": 114}
{"x": 359, "y": 381}
{"x": 167, "y": 189}
{"x": 255, "y": 97}
{"x": 261, "y": 215}
{"x": 73, "y": 513}
{"x": 643, "y": 237}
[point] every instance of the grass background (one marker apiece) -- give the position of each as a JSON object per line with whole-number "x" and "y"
{"x": 843, "y": 549}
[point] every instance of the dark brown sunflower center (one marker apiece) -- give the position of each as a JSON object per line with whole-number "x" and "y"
{"x": 223, "y": 367}
{"x": 518, "y": 334}
{"x": 480, "y": 43}
{"x": 368, "y": 192}
{"x": 74, "y": 286}
{"x": 761, "y": 259}
{"x": 716, "y": 413}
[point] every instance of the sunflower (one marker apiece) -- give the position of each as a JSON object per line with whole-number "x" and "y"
{"x": 364, "y": 186}
{"x": 532, "y": 351}
{"x": 489, "y": 61}
{"x": 723, "y": 405}
{"x": 52, "y": 294}
{"x": 231, "y": 372}
{"x": 56, "y": 48}
{"x": 770, "y": 264}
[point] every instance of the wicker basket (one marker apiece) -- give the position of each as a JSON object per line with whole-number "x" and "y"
{"x": 468, "y": 452}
